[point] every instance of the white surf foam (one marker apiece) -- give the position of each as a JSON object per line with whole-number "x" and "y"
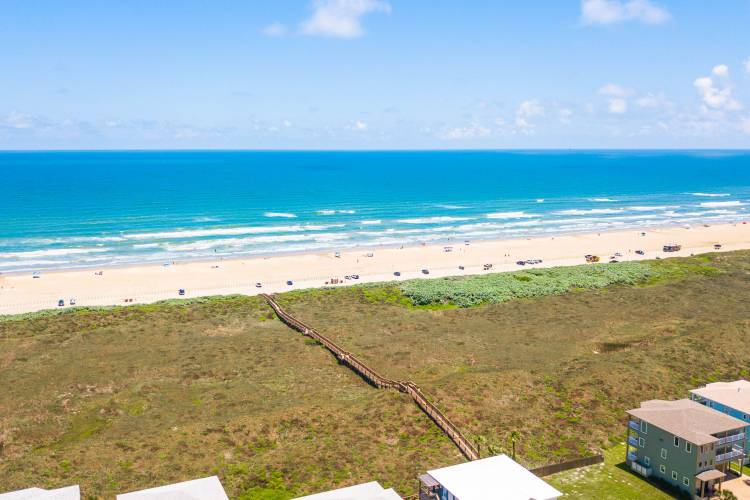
{"x": 285, "y": 215}
{"x": 334, "y": 212}
{"x": 432, "y": 220}
{"x": 601, "y": 200}
{"x": 591, "y": 211}
{"x": 713, "y": 204}
{"x": 227, "y": 231}
{"x": 54, "y": 252}
{"x": 711, "y": 195}
{"x": 511, "y": 215}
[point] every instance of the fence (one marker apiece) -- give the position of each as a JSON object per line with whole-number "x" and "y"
{"x": 377, "y": 380}
{"x": 546, "y": 470}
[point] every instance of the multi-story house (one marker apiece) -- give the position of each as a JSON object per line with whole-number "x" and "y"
{"x": 683, "y": 443}
{"x": 732, "y": 398}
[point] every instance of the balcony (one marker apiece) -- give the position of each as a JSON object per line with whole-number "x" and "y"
{"x": 634, "y": 425}
{"x": 730, "y": 455}
{"x": 640, "y": 469}
{"x": 731, "y": 439}
{"x": 632, "y": 440}
{"x": 632, "y": 457}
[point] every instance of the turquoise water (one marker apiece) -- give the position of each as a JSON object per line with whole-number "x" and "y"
{"x": 89, "y": 209}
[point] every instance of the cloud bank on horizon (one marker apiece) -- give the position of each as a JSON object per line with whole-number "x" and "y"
{"x": 378, "y": 74}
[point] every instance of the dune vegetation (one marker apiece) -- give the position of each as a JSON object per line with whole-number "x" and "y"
{"x": 117, "y": 399}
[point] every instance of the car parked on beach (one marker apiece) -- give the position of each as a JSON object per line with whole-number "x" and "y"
{"x": 258, "y": 285}
{"x": 397, "y": 273}
{"x": 425, "y": 271}
{"x": 290, "y": 282}
{"x": 60, "y": 303}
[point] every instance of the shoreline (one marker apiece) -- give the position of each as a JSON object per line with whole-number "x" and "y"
{"x": 146, "y": 283}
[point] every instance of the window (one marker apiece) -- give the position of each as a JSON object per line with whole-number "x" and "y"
{"x": 685, "y": 481}
{"x": 688, "y": 447}
{"x": 677, "y": 441}
{"x": 644, "y": 427}
{"x": 663, "y": 469}
{"x": 663, "y": 453}
{"x": 641, "y": 442}
{"x": 674, "y": 475}
{"x": 647, "y": 461}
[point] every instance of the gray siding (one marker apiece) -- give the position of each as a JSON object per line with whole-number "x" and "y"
{"x": 684, "y": 463}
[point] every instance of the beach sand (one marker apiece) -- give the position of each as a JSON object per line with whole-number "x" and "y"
{"x": 149, "y": 283}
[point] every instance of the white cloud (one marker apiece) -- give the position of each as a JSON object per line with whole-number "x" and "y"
{"x": 341, "y": 18}
{"x": 614, "y": 90}
{"x": 717, "y": 95}
{"x": 358, "y": 125}
{"x": 526, "y": 111}
{"x": 746, "y": 125}
{"x": 19, "y": 121}
{"x": 617, "y": 103}
{"x": 275, "y": 29}
{"x": 618, "y": 11}
{"x": 721, "y": 70}
{"x": 747, "y": 65}
{"x": 471, "y": 131}
{"x": 617, "y": 106}
{"x": 564, "y": 114}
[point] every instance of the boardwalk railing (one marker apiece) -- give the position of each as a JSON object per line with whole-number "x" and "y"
{"x": 377, "y": 380}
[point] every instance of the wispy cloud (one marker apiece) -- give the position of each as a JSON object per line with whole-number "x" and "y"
{"x": 619, "y": 11}
{"x": 616, "y": 94}
{"x": 341, "y": 18}
{"x": 526, "y": 111}
{"x": 716, "y": 90}
{"x": 274, "y": 29}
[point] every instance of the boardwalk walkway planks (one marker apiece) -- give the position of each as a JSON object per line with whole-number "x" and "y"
{"x": 377, "y": 380}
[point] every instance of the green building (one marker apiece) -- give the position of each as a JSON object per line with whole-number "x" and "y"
{"x": 684, "y": 443}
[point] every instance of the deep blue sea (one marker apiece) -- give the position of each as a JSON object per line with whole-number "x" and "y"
{"x": 89, "y": 209}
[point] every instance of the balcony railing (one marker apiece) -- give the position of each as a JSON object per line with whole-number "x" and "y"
{"x": 731, "y": 439}
{"x": 632, "y": 457}
{"x": 730, "y": 455}
{"x": 633, "y": 440}
{"x": 634, "y": 425}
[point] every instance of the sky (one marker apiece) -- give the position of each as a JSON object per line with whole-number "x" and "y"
{"x": 374, "y": 74}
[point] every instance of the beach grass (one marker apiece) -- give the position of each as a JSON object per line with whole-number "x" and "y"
{"x": 123, "y": 398}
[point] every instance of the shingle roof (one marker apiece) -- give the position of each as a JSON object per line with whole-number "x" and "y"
{"x": 733, "y": 394}
{"x": 686, "y": 419}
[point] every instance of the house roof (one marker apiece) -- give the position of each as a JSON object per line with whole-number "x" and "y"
{"x": 67, "y": 493}
{"x": 366, "y": 491}
{"x": 207, "y": 488}
{"x": 492, "y": 478}
{"x": 686, "y": 419}
{"x": 733, "y": 394}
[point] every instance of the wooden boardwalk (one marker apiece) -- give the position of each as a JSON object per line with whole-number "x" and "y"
{"x": 377, "y": 380}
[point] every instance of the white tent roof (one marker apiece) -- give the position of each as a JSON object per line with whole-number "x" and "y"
{"x": 67, "y": 493}
{"x": 366, "y": 491}
{"x": 207, "y": 488}
{"x": 493, "y": 478}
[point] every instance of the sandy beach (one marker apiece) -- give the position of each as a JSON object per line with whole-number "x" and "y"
{"x": 149, "y": 283}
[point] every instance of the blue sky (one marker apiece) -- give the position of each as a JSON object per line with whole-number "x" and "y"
{"x": 374, "y": 74}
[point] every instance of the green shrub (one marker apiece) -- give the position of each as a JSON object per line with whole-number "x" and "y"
{"x": 501, "y": 287}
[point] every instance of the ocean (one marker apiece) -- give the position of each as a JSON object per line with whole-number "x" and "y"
{"x": 94, "y": 209}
